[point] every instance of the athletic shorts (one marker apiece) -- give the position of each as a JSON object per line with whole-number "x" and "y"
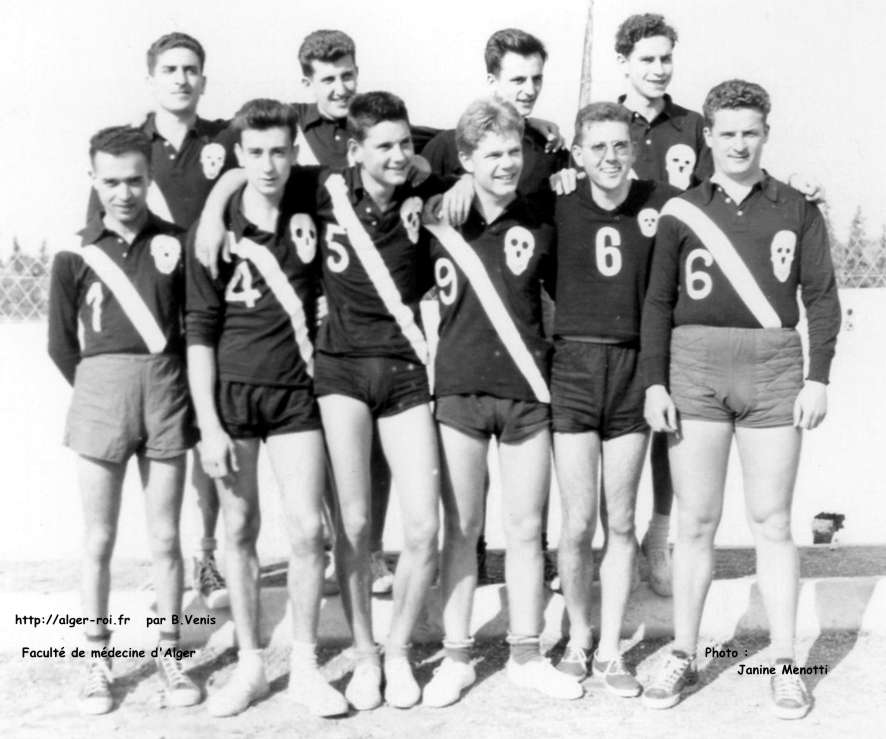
{"x": 484, "y": 416}
{"x": 750, "y": 376}
{"x": 596, "y": 387}
{"x": 258, "y": 411}
{"x": 125, "y": 404}
{"x": 388, "y": 386}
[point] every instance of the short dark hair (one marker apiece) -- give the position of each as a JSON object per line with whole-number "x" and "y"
{"x": 735, "y": 94}
{"x": 324, "y": 46}
{"x": 262, "y": 113}
{"x": 511, "y": 40}
{"x": 483, "y": 116}
{"x": 119, "y": 140}
{"x": 175, "y": 40}
{"x": 369, "y": 108}
{"x": 638, "y": 27}
{"x": 598, "y": 113}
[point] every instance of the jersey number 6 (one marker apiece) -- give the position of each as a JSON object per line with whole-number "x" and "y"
{"x": 607, "y": 252}
{"x": 698, "y": 283}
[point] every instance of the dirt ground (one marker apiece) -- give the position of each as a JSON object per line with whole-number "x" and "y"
{"x": 39, "y": 695}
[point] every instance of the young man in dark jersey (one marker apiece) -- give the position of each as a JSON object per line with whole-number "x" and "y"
{"x": 721, "y": 359}
{"x": 189, "y": 154}
{"x": 122, "y": 280}
{"x": 491, "y": 380}
{"x": 251, "y": 362}
{"x": 605, "y": 236}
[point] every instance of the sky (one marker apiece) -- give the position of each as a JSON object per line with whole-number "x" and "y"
{"x": 70, "y": 68}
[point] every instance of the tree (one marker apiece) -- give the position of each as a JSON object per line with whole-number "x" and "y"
{"x": 857, "y": 270}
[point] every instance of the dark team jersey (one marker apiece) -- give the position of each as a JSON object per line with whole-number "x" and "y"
{"x": 719, "y": 263}
{"x": 671, "y": 148}
{"x": 260, "y": 312}
{"x": 373, "y": 286}
{"x": 182, "y": 179}
{"x": 324, "y": 141}
{"x": 538, "y": 165}
{"x": 504, "y": 266}
{"x": 128, "y": 297}
{"x": 603, "y": 259}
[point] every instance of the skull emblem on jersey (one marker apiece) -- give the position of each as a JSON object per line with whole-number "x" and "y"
{"x": 410, "y": 214}
{"x": 519, "y": 247}
{"x": 647, "y": 220}
{"x": 166, "y": 251}
{"x": 304, "y": 236}
{"x": 680, "y": 163}
{"x": 784, "y": 246}
{"x": 212, "y": 157}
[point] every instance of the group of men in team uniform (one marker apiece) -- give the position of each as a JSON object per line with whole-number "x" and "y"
{"x": 297, "y": 296}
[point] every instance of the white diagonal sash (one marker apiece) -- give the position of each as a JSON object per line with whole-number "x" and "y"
{"x": 281, "y": 288}
{"x": 157, "y": 202}
{"x": 374, "y": 265}
{"x": 727, "y": 258}
{"x": 127, "y": 296}
{"x": 305, "y": 156}
{"x": 466, "y": 258}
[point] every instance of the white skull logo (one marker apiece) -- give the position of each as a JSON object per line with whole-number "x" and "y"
{"x": 304, "y": 235}
{"x": 166, "y": 251}
{"x": 410, "y": 214}
{"x": 647, "y": 220}
{"x": 519, "y": 247}
{"x": 212, "y": 157}
{"x": 680, "y": 162}
{"x": 784, "y": 246}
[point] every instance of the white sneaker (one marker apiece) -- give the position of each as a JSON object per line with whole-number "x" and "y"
{"x": 308, "y": 688}
{"x": 401, "y": 690}
{"x": 448, "y": 682}
{"x": 539, "y": 674}
{"x": 245, "y": 687}
{"x": 660, "y": 571}
{"x": 179, "y": 689}
{"x": 364, "y": 689}
{"x": 382, "y": 577}
{"x": 96, "y": 697}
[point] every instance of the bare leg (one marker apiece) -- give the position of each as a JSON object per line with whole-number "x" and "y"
{"x": 207, "y": 499}
{"x": 698, "y": 467}
{"x": 381, "y": 493}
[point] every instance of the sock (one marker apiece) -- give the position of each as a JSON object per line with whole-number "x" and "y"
{"x": 251, "y": 660}
{"x": 681, "y": 654}
{"x": 458, "y": 651}
{"x": 368, "y": 655}
{"x": 303, "y": 655}
{"x": 781, "y": 652}
{"x": 523, "y": 648}
{"x": 167, "y": 640}
{"x": 207, "y": 546}
{"x": 396, "y": 651}
{"x": 657, "y": 533}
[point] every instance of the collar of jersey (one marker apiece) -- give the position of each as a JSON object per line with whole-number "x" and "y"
{"x": 768, "y": 186}
{"x": 670, "y": 112}
{"x": 95, "y": 229}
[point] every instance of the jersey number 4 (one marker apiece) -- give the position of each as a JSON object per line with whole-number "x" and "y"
{"x": 239, "y": 289}
{"x": 607, "y": 252}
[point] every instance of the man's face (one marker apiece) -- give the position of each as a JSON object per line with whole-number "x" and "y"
{"x": 736, "y": 139}
{"x": 518, "y": 81}
{"x": 177, "y": 80}
{"x": 333, "y": 84}
{"x": 267, "y": 157}
{"x": 386, "y": 153}
{"x": 606, "y": 153}
{"x": 649, "y": 66}
{"x": 121, "y": 183}
{"x": 496, "y": 163}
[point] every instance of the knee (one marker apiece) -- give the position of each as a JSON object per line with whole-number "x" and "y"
{"x": 525, "y": 531}
{"x": 355, "y": 525}
{"x": 99, "y": 544}
{"x": 775, "y": 527}
{"x": 463, "y": 528}
{"x": 697, "y": 528}
{"x": 165, "y": 544}
{"x": 242, "y": 527}
{"x": 306, "y": 536}
{"x": 620, "y": 524}
{"x": 577, "y": 532}
{"x": 421, "y": 536}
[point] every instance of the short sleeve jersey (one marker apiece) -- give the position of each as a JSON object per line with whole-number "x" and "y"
{"x": 112, "y": 319}
{"x": 774, "y": 242}
{"x": 603, "y": 259}
{"x": 183, "y": 178}
{"x": 538, "y": 164}
{"x": 260, "y": 312}
{"x": 671, "y": 148}
{"x": 516, "y": 253}
{"x": 360, "y": 296}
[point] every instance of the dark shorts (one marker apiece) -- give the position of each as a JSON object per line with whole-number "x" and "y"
{"x": 259, "y": 411}
{"x": 749, "y": 376}
{"x": 596, "y": 387}
{"x": 484, "y": 416}
{"x": 127, "y": 404}
{"x": 388, "y": 386}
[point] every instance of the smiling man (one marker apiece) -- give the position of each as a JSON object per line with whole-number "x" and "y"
{"x": 719, "y": 348}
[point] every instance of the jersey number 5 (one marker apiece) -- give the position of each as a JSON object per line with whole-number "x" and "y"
{"x": 240, "y": 288}
{"x": 698, "y": 283}
{"x": 606, "y": 249}
{"x": 338, "y": 258}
